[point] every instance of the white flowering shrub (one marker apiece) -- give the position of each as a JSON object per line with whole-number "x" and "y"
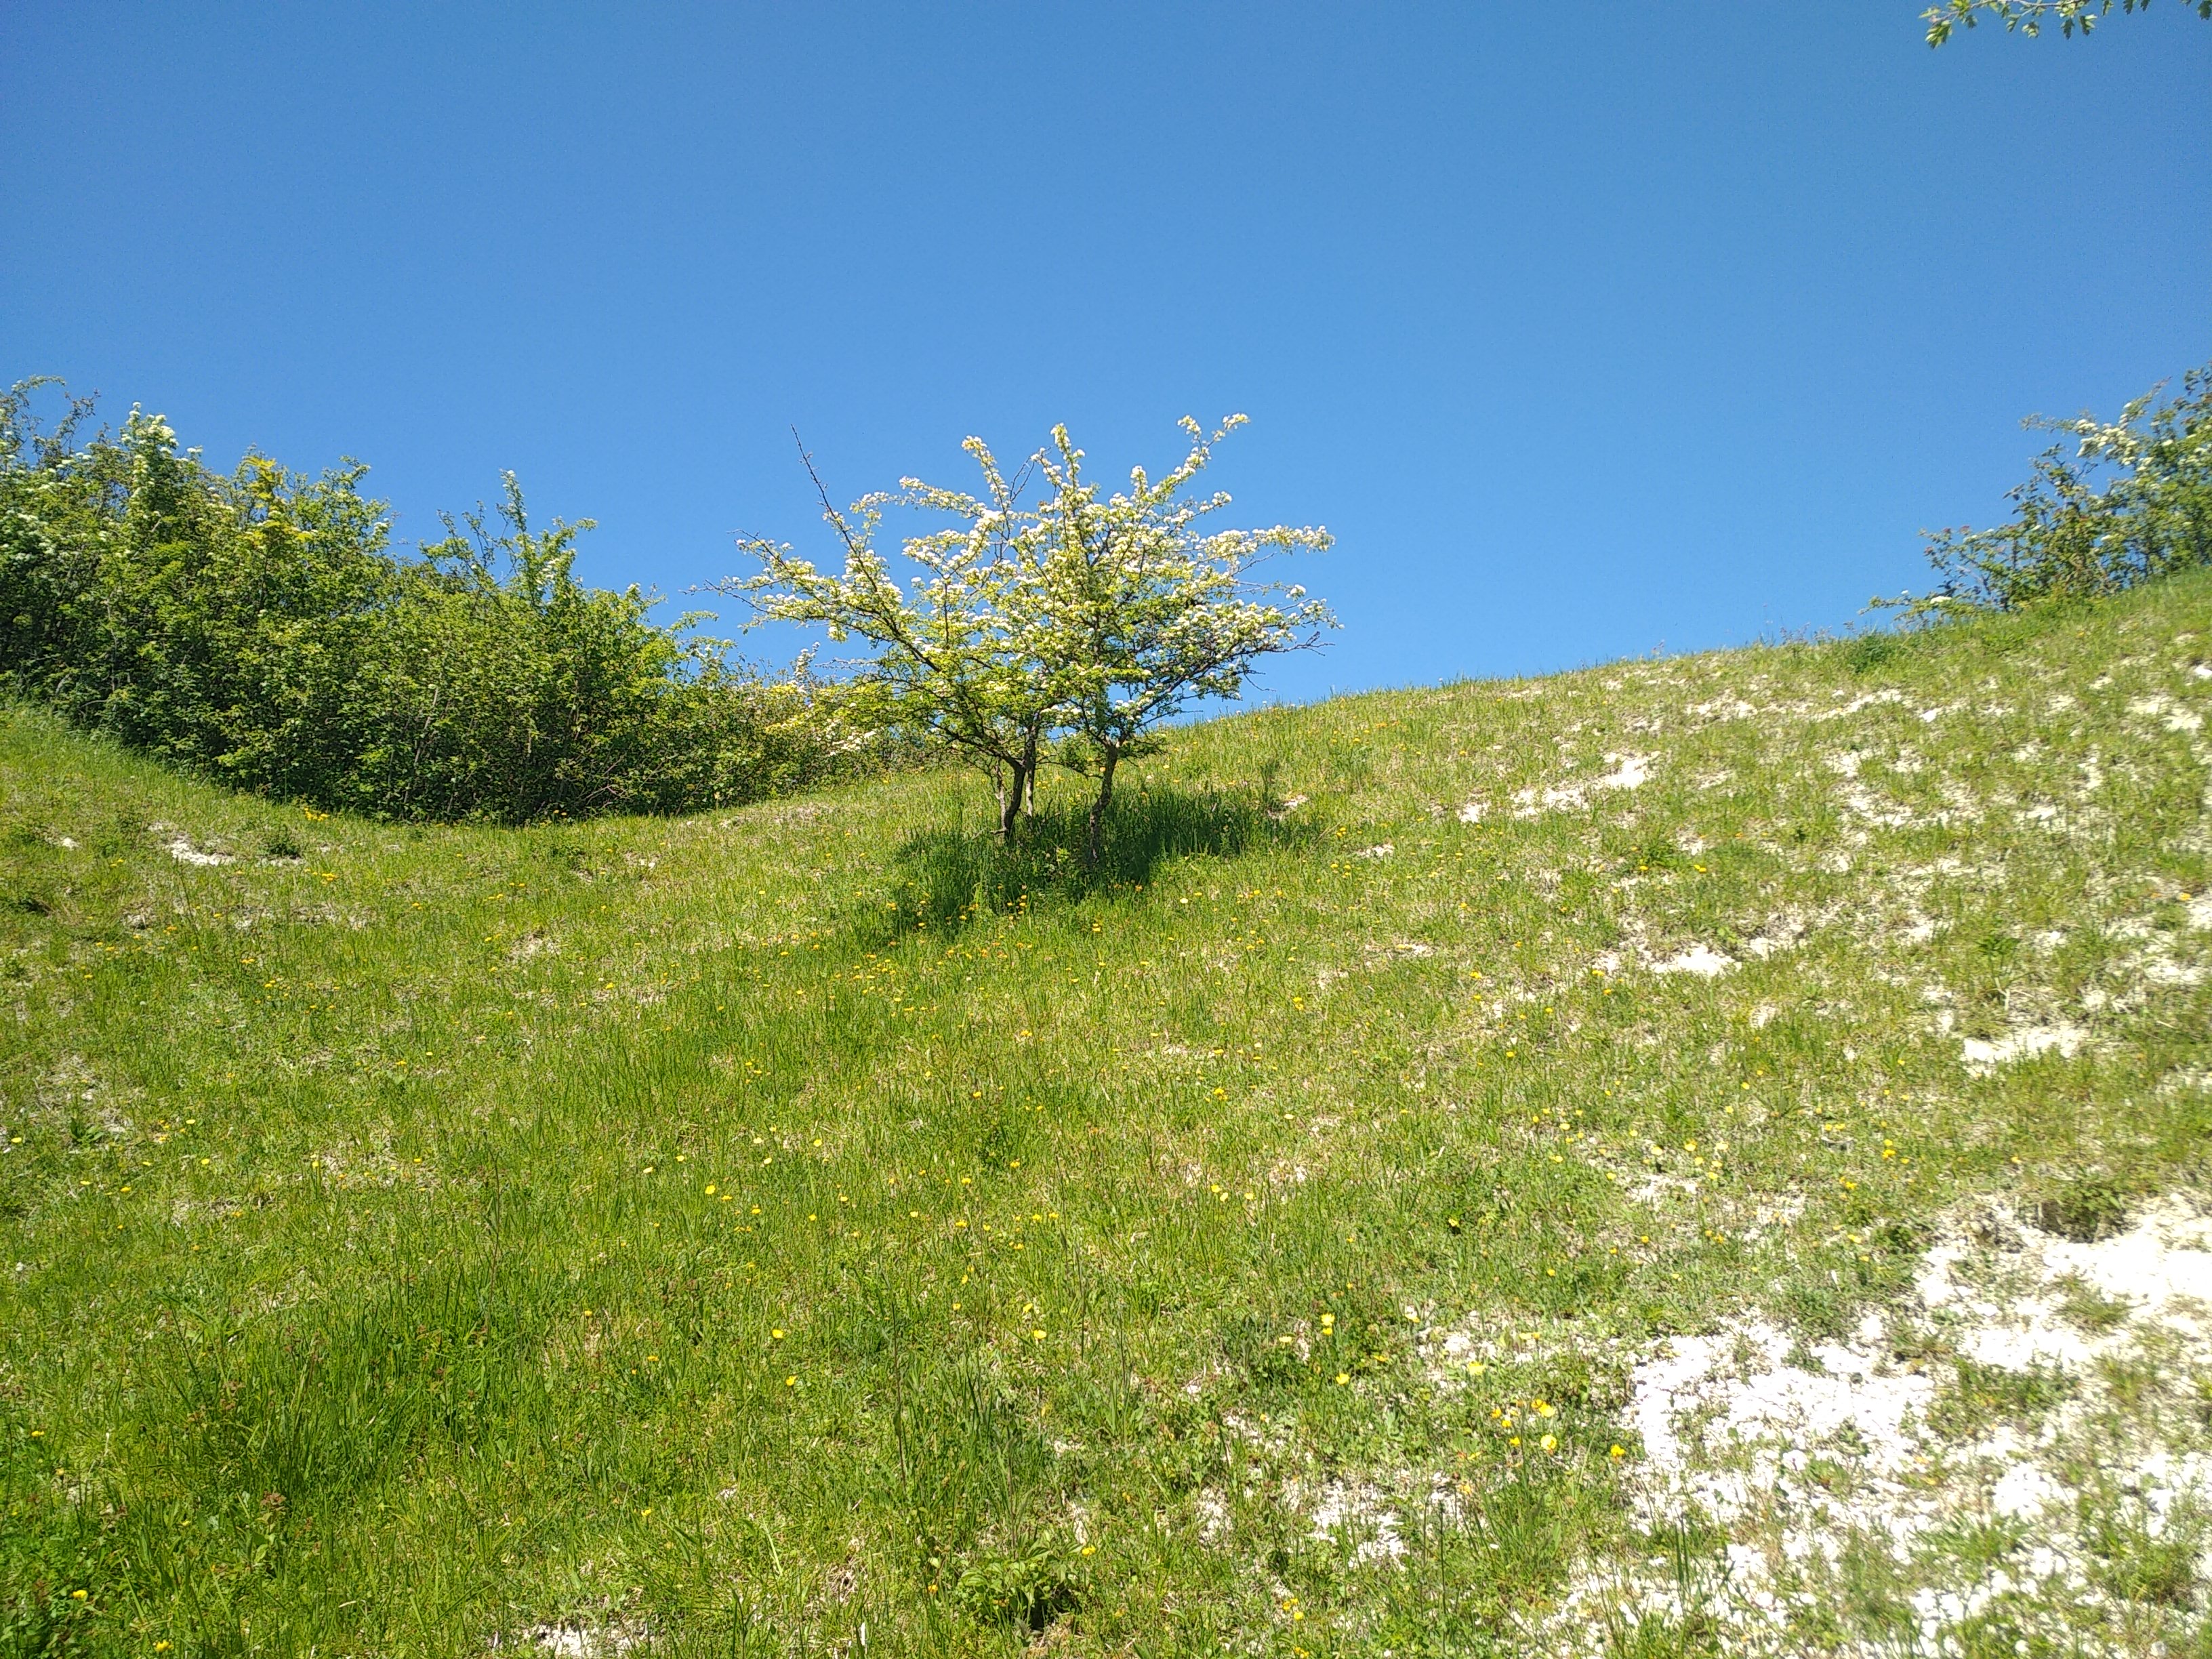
{"x": 1066, "y": 630}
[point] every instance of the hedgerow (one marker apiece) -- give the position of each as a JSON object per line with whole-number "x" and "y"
{"x": 260, "y": 629}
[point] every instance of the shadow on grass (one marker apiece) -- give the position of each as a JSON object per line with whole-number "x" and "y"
{"x": 944, "y": 879}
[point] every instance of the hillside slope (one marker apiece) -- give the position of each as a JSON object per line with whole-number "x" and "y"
{"x": 726, "y": 1233}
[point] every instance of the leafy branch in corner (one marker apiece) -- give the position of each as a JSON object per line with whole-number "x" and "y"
{"x": 2028, "y": 17}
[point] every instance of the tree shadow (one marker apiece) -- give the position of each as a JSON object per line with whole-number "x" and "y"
{"x": 943, "y": 879}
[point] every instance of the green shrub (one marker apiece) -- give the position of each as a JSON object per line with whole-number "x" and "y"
{"x": 2085, "y": 1208}
{"x": 2132, "y": 503}
{"x": 259, "y": 628}
{"x": 1027, "y": 1587}
{"x": 1868, "y": 652}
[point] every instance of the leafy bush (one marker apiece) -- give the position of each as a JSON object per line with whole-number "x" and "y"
{"x": 1027, "y": 1587}
{"x": 259, "y": 628}
{"x": 2132, "y": 503}
{"x": 2086, "y": 1209}
{"x": 1868, "y": 652}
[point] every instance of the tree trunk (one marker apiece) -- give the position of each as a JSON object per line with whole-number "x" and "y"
{"x": 1112, "y": 754}
{"x": 1010, "y": 803}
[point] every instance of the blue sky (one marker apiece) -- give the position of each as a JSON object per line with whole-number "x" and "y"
{"x": 1588, "y": 329}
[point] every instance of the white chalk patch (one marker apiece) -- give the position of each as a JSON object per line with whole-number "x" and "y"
{"x": 184, "y": 853}
{"x": 2023, "y": 1043}
{"x": 1381, "y": 849}
{"x": 2022, "y": 1491}
{"x": 2168, "y": 712}
{"x": 1811, "y": 1457}
{"x": 1699, "y": 959}
{"x": 1365, "y": 1514}
{"x": 1629, "y": 772}
{"x": 1868, "y": 701}
{"x": 1213, "y": 1525}
{"x": 1778, "y": 936}
{"x": 1739, "y": 1385}
{"x": 576, "y": 1641}
{"x": 1402, "y": 950}
{"x": 1472, "y": 812}
{"x": 1862, "y": 804}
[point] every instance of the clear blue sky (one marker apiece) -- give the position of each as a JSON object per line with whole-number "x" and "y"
{"x": 1587, "y": 329}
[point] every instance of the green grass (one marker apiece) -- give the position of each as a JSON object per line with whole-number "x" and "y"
{"x": 726, "y": 1233}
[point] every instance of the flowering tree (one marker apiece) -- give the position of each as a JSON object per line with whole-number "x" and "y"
{"x": 1085, "y": 620}
{"x": 954, "y": 663}
{"x": 1147, "y": 610}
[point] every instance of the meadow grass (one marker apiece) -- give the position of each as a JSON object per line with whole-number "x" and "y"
{"x": 803, "y": 1229}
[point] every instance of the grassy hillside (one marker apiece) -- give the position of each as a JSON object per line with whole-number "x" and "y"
{"x": 728, "y": 1234}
